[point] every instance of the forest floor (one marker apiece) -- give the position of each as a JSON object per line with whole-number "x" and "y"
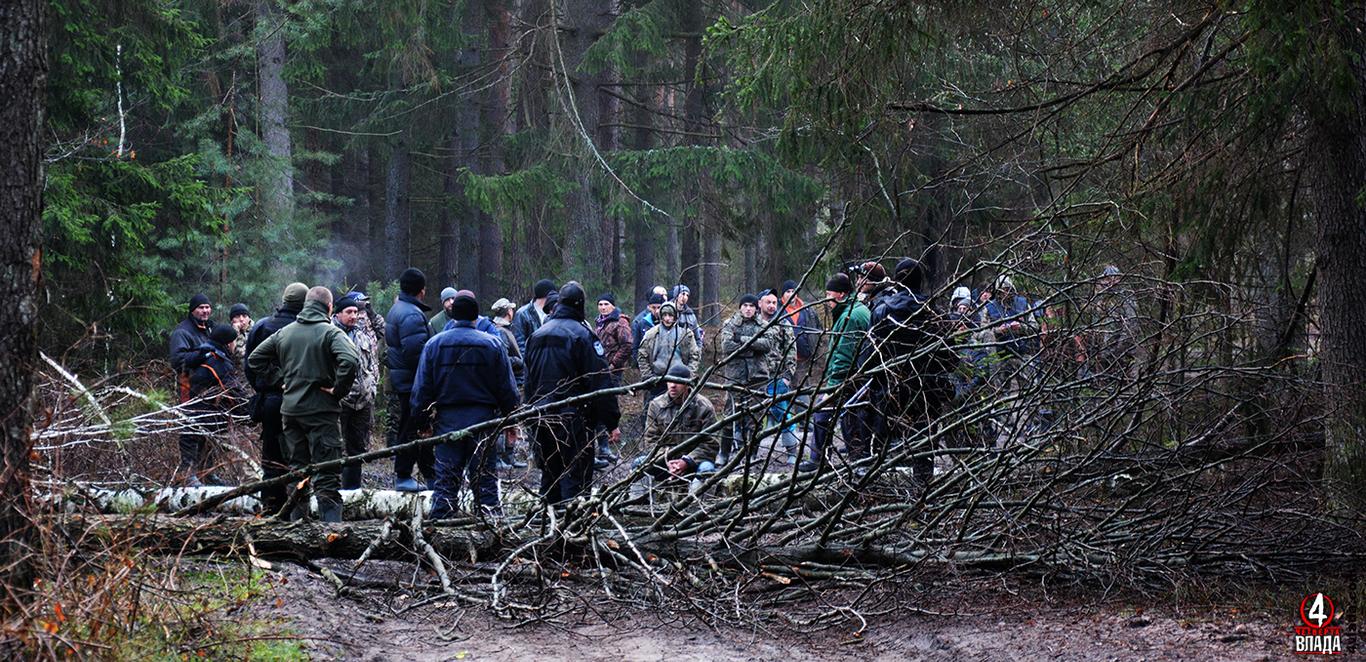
{"x": 987, "y": 620}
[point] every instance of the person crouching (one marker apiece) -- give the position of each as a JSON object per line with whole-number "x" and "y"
{"x": 672, "y": 421}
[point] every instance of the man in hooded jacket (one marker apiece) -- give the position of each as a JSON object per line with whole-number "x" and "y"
{"x": 315, "y": 364}
{"x": 269, "y": 396}
{"x": 216, "y": 390}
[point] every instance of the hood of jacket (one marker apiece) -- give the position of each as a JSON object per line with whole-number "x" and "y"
{"x": 314, "y": 312}
{"x": 203, "y": 351}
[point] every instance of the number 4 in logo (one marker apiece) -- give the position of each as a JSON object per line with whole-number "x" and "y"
{"x": 1317, "y": 610}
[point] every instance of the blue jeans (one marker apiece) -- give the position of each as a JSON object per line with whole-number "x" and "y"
{"x": 472, "y": 457}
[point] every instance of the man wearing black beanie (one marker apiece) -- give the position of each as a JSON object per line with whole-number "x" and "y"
{"x": 465, "y": 375}
{"x": 849, "y": 330}
{"x": 405, "y": 332}
{"x": 564, "y": 359}
{"x": 215, "y": 389}
{"x": 532, "y": 315}
{"x": 187, "y": 336}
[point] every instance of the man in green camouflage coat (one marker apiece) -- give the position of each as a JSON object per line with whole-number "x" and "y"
{"x": 675, "y": 422}
{"x": 357, "y": 414}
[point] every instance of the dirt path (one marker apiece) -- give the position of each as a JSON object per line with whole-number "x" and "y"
{"x": 991, "y": 625}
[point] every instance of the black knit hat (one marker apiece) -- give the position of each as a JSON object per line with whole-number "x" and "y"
{"x": 680, "y": 370}
{"x": 238, "y": 309}
{"x": 749, "y": 299}
{"x": 223, "y": 334}
{"x": 839, "y": 283}
{"x": 910, "y": 273}
{"x": 572, "y": 295}
{"x": 199, "y": 300}
{"x": 542, "y": 288}
{"x": 465, "y": 307}
{"x": 412, "y": 281}
{"x": 656, "y": 298}
{"x": 344, "y": 303}
{"x": 608, "y": 297}
{"x": 789, "y": 285}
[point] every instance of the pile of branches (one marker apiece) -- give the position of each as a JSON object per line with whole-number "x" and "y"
{"x": 1197, "y": 460}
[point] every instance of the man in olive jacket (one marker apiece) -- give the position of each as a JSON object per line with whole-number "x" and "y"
{"x": 316, "y": 365}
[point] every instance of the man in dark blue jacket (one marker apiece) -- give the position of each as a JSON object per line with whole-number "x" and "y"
{"x": 532, "y": 315}
{"x": 564, "y": 359}
{"x": 911, "y": 368}
{"x": 405, "y": 332}
{"x": 465, "y": 375}
{"x": 269, "y": 396}
{"x": 645, "y": 321}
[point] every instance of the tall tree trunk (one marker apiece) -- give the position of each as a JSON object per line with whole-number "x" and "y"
{"x": 533, "y": 113}
{"x": 355, "y": 216}
{"x": 397, "y": 212}
{"x": 377, "y": 255}
{"x": 695, "y": 272}
{"x": 23, "y": 72}
{"x": 586, "y": 246}
{"x": 711, "y": 278}
{"x": 609, "y": 140}
{"x": 278, "y": 197}
{"x": 449, "y": 216}
{"x": 1340, "y": 159}
{"x": 640, "y": 227}
{"x": 496, "y": 127}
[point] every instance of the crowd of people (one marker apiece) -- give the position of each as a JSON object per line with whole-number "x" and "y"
{"x": 310, "y": 374}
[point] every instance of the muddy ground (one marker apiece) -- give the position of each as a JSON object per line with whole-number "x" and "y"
{"x": 988, "y": 620}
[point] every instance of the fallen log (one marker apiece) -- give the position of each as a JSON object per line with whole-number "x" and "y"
{"x": 362, "y": 504}
{"x": 272, "y": 538}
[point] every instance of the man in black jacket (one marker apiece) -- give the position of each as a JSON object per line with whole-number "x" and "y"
{"x": 215, "y": 391}
{"x": 910, "y": 368}
{"x": 405, "y": 332}
{"x": 270, "y": 396}
{"x": 532, "y": 315}
{"x": 564, "y": 359}
{"x": 186, "y": 338}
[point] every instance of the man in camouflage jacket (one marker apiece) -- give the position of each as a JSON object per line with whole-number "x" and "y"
{"x": 358, "y": 406}
{"x": 677, "y": 419}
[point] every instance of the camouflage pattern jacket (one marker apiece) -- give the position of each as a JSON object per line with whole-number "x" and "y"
{"x": 669, "y": 423}
{"x": 362, "y": 393}
{"x": 782, "y": 350}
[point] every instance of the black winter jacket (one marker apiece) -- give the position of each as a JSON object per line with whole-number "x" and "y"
{"x": 185, "y": 340}
{"x": 525, "y": 323}
{"x": 564, "y": 359}
{"x": 405, "y": 332}
{"x": 283, "y": 317}
{"x": 213, "y": 374}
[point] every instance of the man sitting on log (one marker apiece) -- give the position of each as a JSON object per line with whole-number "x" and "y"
{"x": 674, "y": 418}
{"x": 465, "y": 374}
